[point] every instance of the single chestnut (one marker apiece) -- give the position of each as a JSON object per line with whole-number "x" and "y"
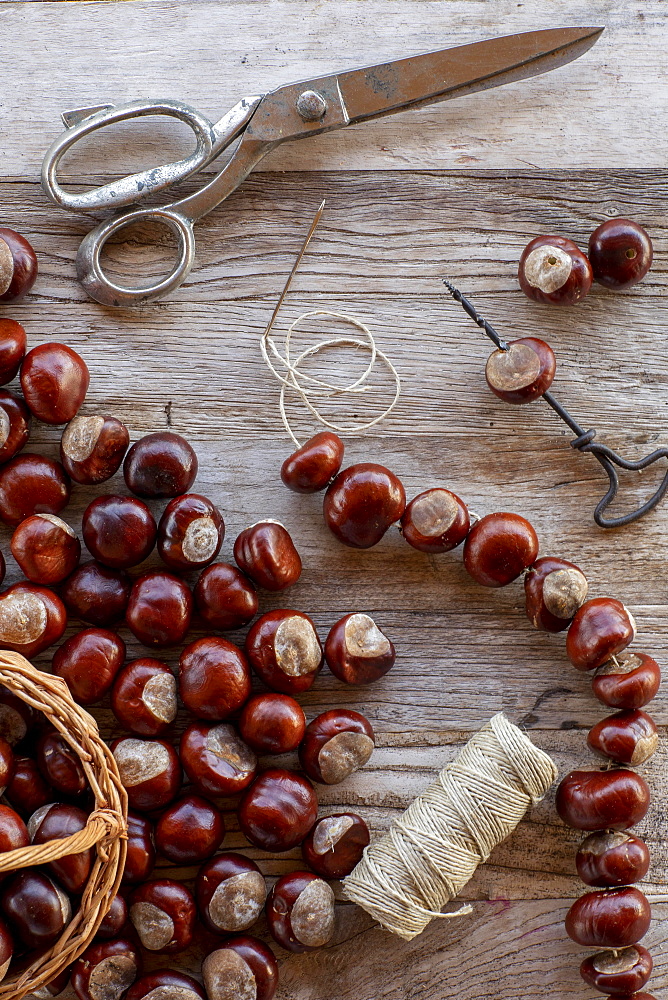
{"x": 336, "y": 844}
{"x": 266, "y": 553}
{"x": 314, "y": 465}
{"x": 189, "y": 830}
{"x": 498, "y": 548}
{"x": 596, "y": 800}
{"x": 609, "y": 918}
{"x": 35, "y": 907}
{"x": 14, "y": 423}
{"x": 230, "y": 893}
{"x": 92, "y": 448}
{"x": 554, "y": 589}
{"x": 32, "y": 618}
{"x": 522, "y": 371}
{"x": 150, "y": 772}
{"x": 554, "y": 270}
{"x": 620, "y": 253}
{"x": 97, "y": 594}
{"x": 300, "y": 912}
{"x": 46, "y": 548}
{"x": 628, "y": 737}
{"x": 618, "y": 972}
{"x": 28, "y": 790}
{"x": 214, "y": 678}
{"x": 630, "y": 680}
{"x": 143, "y": 697}
{"x": 118, "y": 531}
{"x": 435, "y": 521}
{"x": 114, "y": 920}
{"x": 190, "y": 532}
{"x": 242, "y": 967}
{"x": 54, "y": 822}
{"x": 362, "y": 503}
{"x": 216, "y": 759}
{"x": 60, "y": 764}
{"x": 224, "y": 597}
{"x": 163, "y": 914}
{"x": 165, "y": 984}
{"x": 272, "y": 723}
{"x": 356, "y": 650}
{"x": 159, "y": 609}
{"x": 12, "y": 347}
{"x": 17, "y": 718}
{"x": 336, "y": 743}
{"x": 106, "y": 970}
{"x": 612, "y": 857}
{"x": 284, "y": 650}
{"x": 32, "y": 484}
{"x": 600, "y": 629}
{"x": 54, "y": 380}
{"x": 18, "y": 265}
{"x": 140, "y": 859}
{"x": 88, "y": 663}
{"x": 7, "y": 764}
{"x": 160, "y": 465}
{"x": 13, "y": 831}
{"x": 278, "y": 810}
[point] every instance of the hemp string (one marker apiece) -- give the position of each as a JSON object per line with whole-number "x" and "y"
{"x": 286, "y": 369}
{"x": 433, "y": 849}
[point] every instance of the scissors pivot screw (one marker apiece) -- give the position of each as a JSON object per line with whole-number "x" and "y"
{"x": 311, "y": 106}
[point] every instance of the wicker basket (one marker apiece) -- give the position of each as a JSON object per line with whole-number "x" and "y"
{"x": 106, "y": 828}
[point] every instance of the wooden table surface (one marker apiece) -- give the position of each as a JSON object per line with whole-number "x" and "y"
{"x": 455, "y": 189}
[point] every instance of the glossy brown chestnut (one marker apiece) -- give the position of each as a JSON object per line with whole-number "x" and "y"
{"x": 278, "y": 810}
{"x": 150, "y": 772}
{"x": 163, "y": 914}
{"x": 27, "y": 789}
{"x": 300, "y": 912}
{"x": 106, "y": 970}
{"x": 314, "y": 465}
{"x": 53, "y": 822}
{"x": 13, "y": 831}
{"x": 12, "y": 348}
{"x": 143, "y": 698}
{"x": 114, "y": 920}
{"x": 522, "y": 372}
{"x": 216, "y": 759}
{"x": 628, "y": 737}
{"x": 189, "y": 831}
{"x": 610, "y": 858}
{"x": 336, "y": 743}
{"x": 14, "y": 424}
{"x": 159, "y": 609}
{"x": 225, "y": 598}
{"x": 620, "y": 253}
{"x": 335, "y": 844}
{"x": 35, "y": 907}
{"x": 97, "y": 594}
{"x": 60, "y": 764}
{"x": 272, "y": 723}
{"x": 160, "y": 465}
{"x": 615, "y": 972}
{"x": 554, "y": 590}
{"x": 17, "y": 718}
{"x": 32, "y": 484}
{"x": 92, "y": 448}
{"x": 54, "y": 380}
{"x": 243, "y": 966}
{"x": 118, "y": 531}
{"x": 32, "y": 618}
{"x": 46, "y": 548}
{"x": 165, "y": 984}
{"x": 498, "y": 548}
{"x": 356, "y": 650}
{"x": 435, "y": 521}
{"x": 554, "y": 270}
{"x": 284, "y": 650}
{"x": 190, "y": 532}
{"x": 214, "y": 678}
{"x": 18, "y": 265}
{"x": 596, "y": 800}
{"x": 631, "y": 680}
{"x": 7, "y": 764}
{"x": 267, "y": 554}
{"x": 230, "y": 893}
{"x": 609, "y": 918}
{"x": 600, "y": 629}
{"x": 88, "y": 663}
{"x": 140, "y": 859}
{"x": 362, "y": 503}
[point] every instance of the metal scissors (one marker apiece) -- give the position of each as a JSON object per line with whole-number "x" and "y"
{"x": 262, "y": 122}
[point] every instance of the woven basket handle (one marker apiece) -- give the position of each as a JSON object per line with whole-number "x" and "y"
{"x": 103, "y": 825}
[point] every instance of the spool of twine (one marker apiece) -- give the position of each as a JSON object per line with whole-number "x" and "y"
{"x": 433, "y": 849}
